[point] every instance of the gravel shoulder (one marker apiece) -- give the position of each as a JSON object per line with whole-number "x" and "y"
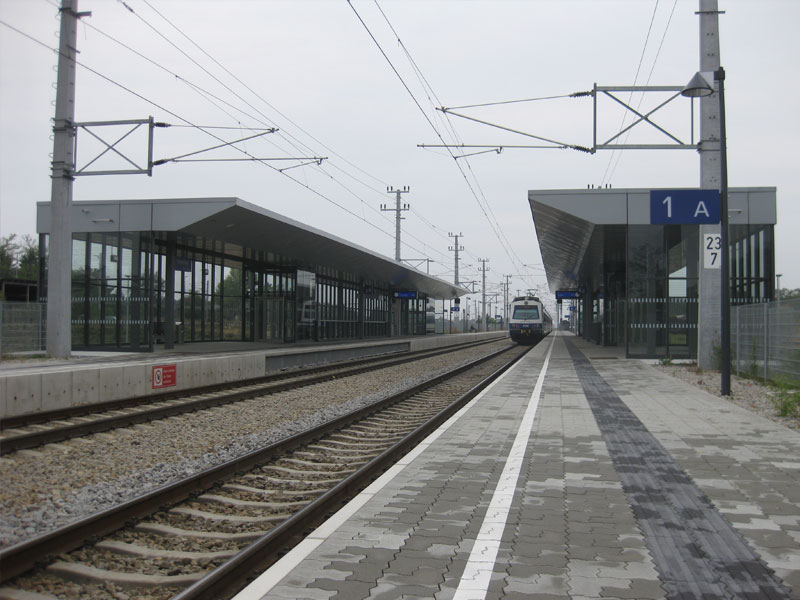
{"x": 745, "y": 393}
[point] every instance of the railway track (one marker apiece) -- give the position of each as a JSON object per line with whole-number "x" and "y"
{"x": 31, "y": 431}
{"x": 203, "y": 536}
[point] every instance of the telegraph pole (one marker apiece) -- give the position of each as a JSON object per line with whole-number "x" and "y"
{"x": 505, "y": 299}
{"x": 59, "y": 248}
{"x": 455, "y": 248}
{"x": 397, "y": 210}
{"x": 483, "y": 270}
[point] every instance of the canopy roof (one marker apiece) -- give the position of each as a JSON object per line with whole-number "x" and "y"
{"x": 246, "y": 226}
{"x": 565, "y": 221}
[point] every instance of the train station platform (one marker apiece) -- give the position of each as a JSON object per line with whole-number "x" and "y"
{"x": 578, "y": 474}
{"x": 38, "y": 385}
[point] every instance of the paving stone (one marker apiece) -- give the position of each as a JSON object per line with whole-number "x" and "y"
{"x": 595, "y": 514}
{"x": 300, "y": 593}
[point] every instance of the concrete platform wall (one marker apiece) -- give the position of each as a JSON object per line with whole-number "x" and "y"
{"x": 31, "y": 390}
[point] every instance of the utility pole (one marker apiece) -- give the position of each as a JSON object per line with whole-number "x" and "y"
{"x": 455, "y": 248}
{"x": 483, "y": 270}
{"x": 709, "y": 330}
{"x": 397, "y": 210}
{"x": 505, "y": 299}
{"x": 59, "y": 248}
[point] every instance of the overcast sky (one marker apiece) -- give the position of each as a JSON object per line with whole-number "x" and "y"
{"x": 312, "y": 69}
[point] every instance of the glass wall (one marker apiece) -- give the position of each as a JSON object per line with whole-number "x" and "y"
{"x": 338, "y": 302}
{"x": 110, "y": 298}
{"x": 377, "y": 312}
{"x": 752, "y": 266}
{"x": 121, "y": 296}
{"x": 662, "y": 290}
{"x": 413, "y": 316}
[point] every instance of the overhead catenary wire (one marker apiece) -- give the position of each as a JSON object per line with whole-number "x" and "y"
{"x": 505, "y": 243}
{"x": 513, "y": 101}
{"x": 188, "y": 122}
{"x": 649, "y": 76}
{"x": 315, "y": 163}
{"x": 261, "y": 98}
{"x": 256, "y": 158}
{"x": 490, "y": 220}
{"x": 635, "y": 79}
{"x": 207, "y": 94}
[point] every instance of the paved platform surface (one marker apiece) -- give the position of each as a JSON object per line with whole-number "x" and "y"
{"x": 577, "y": 475}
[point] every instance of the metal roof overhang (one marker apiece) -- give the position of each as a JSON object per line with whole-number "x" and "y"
{"x": 243, "y": 224}
{"x": 563, "y": 240}
{"x": 565, "y": 221}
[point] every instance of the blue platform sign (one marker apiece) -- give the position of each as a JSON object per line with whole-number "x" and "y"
{"x": 567, "y": 294}
{"x": 406, "y": 294}
{"x": 671, "y": 207}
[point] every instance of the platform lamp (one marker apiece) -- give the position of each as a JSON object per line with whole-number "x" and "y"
{"x": 701, "y": 85}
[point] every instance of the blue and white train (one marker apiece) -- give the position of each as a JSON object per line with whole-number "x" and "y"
{"x": 529, "y": 322}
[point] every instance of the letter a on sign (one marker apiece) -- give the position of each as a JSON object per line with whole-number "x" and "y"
{"x": 701, "y": 209}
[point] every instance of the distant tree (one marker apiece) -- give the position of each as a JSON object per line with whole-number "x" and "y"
{"x": 28, "y": 258}
{"x": 787, "y": 293}
{"x": 8, "y": 255}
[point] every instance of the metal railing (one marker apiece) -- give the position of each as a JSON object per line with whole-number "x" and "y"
{"x": 22, "y": 327}
{"x": 765, "y": 340}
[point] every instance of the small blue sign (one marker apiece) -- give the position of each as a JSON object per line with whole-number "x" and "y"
{"x": 410, "y": 295}
{"x": 679, "y": 207}
{"x": 567, "y": 294}
{"x": 455, "y": 308}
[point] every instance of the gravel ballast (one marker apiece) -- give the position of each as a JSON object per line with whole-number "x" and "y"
{"x": 745, "y": 393}
{"x": 51, "y": 486}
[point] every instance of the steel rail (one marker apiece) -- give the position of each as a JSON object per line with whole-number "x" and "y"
{"x": 23, "y": 556}
{"x": 296, "y": 380}
{"x": 228, "y": 577}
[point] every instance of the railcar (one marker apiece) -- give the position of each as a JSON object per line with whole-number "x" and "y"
{"x": 529, "y": 321}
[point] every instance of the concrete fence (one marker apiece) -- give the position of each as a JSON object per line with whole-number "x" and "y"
{"x": 765, "y": 340}
{"x": 22, "y": 327}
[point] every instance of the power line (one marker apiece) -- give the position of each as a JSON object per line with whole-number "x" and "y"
{"x": 254, "y": 108}
{"x": 510, "y": 101}
{"x": 257, "y": 95}
{"x": 649, "y": 76}
{"x": 635, "y": 79}
{"x": 492, "y": 223}
{"x": 177, "y": 116}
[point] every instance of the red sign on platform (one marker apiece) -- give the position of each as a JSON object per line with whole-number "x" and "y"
{"x": 165, "y": 376}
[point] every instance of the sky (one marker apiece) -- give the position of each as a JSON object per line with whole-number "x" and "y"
{"x": 358, "y": 84}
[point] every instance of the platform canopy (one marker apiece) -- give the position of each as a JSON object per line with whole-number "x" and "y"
{"x": 242, "y": 225}
{"x": 566, "y": 219}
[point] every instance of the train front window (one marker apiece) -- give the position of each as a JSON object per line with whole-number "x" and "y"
{"x": 526, "y": 313}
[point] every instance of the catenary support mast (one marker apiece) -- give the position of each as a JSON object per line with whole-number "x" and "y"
{"x": 398, "y": 209}
{"x": 709, "y": 317}
{"x": 484, "y": 322}
{"x": 456, "y": 248}
{"x": 59, "y": 248}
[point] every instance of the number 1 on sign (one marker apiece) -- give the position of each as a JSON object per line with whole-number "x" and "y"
{"x": 668, "y": 202}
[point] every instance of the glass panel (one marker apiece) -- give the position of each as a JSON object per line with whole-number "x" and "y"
{"x": 232, "y": 304}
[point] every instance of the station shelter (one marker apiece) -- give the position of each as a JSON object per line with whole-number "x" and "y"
{"x": 625, "y": 279}
{"x": 148, "y": 272}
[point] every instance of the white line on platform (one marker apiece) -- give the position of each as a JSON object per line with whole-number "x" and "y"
{"x": 478, "y": 573}
{"x": 272, "y": 576}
